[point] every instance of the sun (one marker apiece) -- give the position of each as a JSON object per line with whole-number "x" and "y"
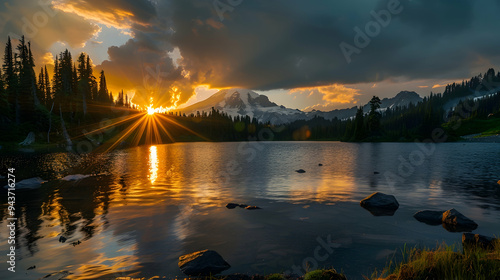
{"x": 151, "y": 111}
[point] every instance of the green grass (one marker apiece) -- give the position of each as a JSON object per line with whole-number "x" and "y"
{"x": 486, "y": 127}
{"x": 444, "y": 263}
{"x": 275, "y": 276}
{"x": 324, "y": 274}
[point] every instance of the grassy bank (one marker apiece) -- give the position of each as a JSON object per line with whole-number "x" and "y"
{"x": 484, "y": 127}
{"x": 445, "y": 262}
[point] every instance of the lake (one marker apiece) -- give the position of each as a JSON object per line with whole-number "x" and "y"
{"x": 146, "y": 206}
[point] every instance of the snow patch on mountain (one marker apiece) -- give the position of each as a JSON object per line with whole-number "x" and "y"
{"x": 243, "y": 102}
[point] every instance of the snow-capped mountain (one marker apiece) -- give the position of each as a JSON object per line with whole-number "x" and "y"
{"x": 244, "y": 102}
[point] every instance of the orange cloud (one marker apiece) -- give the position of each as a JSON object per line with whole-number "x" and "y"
{"x": 423, "y": 86}
{"x": 438, "y": 86}
{"x": 47, "y": 59}
{"x": 111, "y": 18}
{"x": 331, "y": 95}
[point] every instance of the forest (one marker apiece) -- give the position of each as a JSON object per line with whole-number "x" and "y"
{"x": 73, "y": 104}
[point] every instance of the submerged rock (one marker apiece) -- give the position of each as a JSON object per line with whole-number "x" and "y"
{"x": 232, "y": 205}
{"x": 252, "y": 207}
{"x": 477, "y": 240}
{"x": 206, "y": 262}
{"x": 28, "y": 184}
{"x": 455, "y": 221}
{"x": 300, "y": 171}
{"x": 380, "y": 204}
{"x": 75, "y": 177}
{"x": 429, "y": 217}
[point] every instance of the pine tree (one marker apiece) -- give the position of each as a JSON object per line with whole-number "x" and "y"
{"x": 4, "y": 102}
{"x": 42, "y": 95}
{"x": 48, "y": 91}
{"x": 103, "y": 94}
{"x": 27, "y": 82}
{"x": 374, "y": 116}
{"x": 11, "y": 81}
{"x": 359, "y": 125}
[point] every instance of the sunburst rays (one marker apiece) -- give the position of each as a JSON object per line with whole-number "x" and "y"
{"x": 149, "y": 126}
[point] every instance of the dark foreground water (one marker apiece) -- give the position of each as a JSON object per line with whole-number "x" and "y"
{"x": 150, "y": 204}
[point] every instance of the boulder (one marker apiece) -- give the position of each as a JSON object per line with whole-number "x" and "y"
{"x": 252, "y": 207}
{"x": 232, "y": 205}
{"x": 380, "y": 204}
{"x": 243, "y": 206}
{"x": 476, "y": 240}
{"x": 429, "y": 217}
{"x": 206, "y": 262}
{"x": 300, "y": 171}
{"x": 28, "y": 184}
{"x": 455, "y": 221}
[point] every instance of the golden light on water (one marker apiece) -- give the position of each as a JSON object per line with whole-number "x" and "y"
{"x": 153, "y": 164}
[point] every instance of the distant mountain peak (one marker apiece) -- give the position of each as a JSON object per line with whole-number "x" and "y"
{"x": 245, "y": 102}
{"x": 406, "y": 93}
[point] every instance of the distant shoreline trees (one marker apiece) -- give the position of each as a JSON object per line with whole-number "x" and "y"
{"x": 57, "y": 106}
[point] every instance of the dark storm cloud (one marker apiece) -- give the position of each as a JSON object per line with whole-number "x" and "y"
{"x": 262, "y": 45}
{"x": 287, "y": 44}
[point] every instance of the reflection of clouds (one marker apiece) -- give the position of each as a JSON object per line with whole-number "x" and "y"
{"x": 325, "y": 191}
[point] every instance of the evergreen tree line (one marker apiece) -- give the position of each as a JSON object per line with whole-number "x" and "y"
{"x": 50, "y": 104}
{"x": 59, "y": 105}
{"x": 400, "y": 123}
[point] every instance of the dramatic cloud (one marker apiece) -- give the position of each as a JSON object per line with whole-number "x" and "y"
{"x": 331, "y": 96}
{"x": 282, "y": 44}
{"x": 287, "y": 44}
{"x": 43, "y": 25}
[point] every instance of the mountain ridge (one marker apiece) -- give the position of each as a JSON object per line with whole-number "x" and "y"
{"x": 244, "y": 102}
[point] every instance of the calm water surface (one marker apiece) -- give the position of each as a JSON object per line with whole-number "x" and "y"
{"x": 148, "y": 205}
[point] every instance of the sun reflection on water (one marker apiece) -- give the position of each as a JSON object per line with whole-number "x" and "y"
{"x": 153, "y": 164}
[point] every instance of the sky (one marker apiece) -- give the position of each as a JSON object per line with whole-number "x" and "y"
{"x": 313, "y": 54}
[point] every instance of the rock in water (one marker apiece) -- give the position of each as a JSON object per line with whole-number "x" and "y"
{"x": 29, "y": 184}
{"x": 429, "y": 217}
{"x": 206, "y": 262}
{"x": 380, "y": 204}
{"x": 455, "y": 221}
{"x": 477, "y": 240}
{"x": 75, "y": 177}
{"x": 252, "y": 207}
{"x": 232, "y": 205}
{"x": 300, "y": 171}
